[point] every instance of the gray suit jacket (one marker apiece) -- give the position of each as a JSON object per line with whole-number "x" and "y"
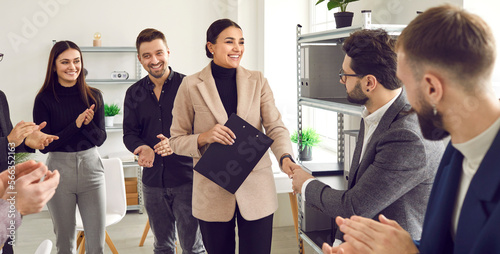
{"x": 393, "y": 178}
{"x": 5, "y": 129}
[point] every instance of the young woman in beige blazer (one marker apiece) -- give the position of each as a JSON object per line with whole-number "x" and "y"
{"x": 203, "y": 104}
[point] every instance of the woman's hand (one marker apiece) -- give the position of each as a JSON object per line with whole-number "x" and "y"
{"x": 219, "y": 133}
{"x": 289, "y": 166}
{"x": 80, "y": 119}
{"x": 90, "y": 114}
{"x": 85, "y": 117}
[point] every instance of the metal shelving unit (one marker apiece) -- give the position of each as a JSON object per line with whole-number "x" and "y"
{"x": 139, "y": 206}
{"x": 121, "y": 50}
{"x": 319, "y": 57}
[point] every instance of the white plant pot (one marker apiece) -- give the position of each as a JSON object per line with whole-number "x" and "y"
{"x": 109, "y": 120}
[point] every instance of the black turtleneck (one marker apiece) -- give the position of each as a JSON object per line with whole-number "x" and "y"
{"x": 60, "y": 115}
{"x": 225, "y": 80}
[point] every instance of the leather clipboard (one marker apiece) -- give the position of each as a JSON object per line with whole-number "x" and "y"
{"x": 229, "y": 165}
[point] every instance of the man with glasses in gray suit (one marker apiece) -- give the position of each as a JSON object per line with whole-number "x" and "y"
{"x": 393, "y": 166}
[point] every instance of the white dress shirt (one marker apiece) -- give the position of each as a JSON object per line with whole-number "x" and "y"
{"x": 371, "y": 122}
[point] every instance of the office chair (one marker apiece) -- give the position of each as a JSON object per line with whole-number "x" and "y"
{"x": 116, "y": 202}
{"x": 45, "y": 247}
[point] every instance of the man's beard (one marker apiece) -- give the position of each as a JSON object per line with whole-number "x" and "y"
{"x": 430, "y": 124}
{"x": 357, "y": 96}
{"x": 162, "y": 72}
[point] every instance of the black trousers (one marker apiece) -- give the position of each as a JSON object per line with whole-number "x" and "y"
{"x": 254, "y": 236}
{"x": 7, "y": 248}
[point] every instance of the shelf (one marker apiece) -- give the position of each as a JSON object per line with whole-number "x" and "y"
{"x": 111, "y": 81}
{"x": 333, "y": 36}
{"x": 108, "y": 49}
{"x": 134, "y": 208}
{"x": 127, "y": 164}
{"x": 340, "y": 105}
{"x": 115, "y": 127}
{"x": 323, "y": 169}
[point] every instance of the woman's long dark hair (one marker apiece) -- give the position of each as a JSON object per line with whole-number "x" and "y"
{"x": 87, "y": 93}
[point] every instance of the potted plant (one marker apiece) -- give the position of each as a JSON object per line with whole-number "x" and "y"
{"x": 342, "y": 18}
{"x": 309, "y": 138}
{"x": 110, "y": 110}
{"x": 22, "y": 157}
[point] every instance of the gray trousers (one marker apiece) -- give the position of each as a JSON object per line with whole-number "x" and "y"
{"x": 168, "y": 208}
{"x": 82, "y": 183}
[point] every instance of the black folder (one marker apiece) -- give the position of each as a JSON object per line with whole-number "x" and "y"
{"x": 229, "y": 165}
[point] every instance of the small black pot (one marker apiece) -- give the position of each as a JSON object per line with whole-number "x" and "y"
{"x": 306, "y": 154}
{"x": 343, "y": 19}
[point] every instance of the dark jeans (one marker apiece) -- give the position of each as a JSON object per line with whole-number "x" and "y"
{"x": 254, "y": 236}
{"x": 165, "y": 208}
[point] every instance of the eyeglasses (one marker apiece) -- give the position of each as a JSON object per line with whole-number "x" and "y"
{"x": 343, "y": 76}
{"x": 1, "y": 57}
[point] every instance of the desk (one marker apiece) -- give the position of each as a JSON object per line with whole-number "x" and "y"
{"x": 284, "y": 185}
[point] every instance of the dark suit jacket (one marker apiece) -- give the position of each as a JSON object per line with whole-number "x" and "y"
{"x": 393, "y": 178}
{"x": 479, "y": 223}
{"x": 5, "y": 129}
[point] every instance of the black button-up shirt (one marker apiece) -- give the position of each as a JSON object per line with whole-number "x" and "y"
{"x": 144, "y": 118}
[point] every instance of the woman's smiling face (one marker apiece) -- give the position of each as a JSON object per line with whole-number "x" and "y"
{"x": 68, "y": 66}
{"x": 228, "y": 48}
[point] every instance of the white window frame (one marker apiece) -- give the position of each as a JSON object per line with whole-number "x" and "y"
{"x": 321, "y": 18}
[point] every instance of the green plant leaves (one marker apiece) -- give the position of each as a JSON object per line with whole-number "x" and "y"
{"x": 309, "y": 137}
{"x": 22, "y": 157}
{"x": 342, "y": 4}
{"x": 111, "y": 109}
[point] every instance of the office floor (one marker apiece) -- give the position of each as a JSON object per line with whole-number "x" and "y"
{"x": 127, "y": 234}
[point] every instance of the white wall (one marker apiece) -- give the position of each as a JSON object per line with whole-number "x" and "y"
{"x": 280, "y": 58}
{"x": 487, "y": 9}
{"x": 28, "y": 28}
{"x": 393, "y": 11}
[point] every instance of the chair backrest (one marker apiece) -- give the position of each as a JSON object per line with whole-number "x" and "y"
{"x": 116, "y": 199}
{"x": 45, "y": 247}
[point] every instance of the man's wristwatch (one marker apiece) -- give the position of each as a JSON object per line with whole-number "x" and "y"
{"x": 285, "y": 156}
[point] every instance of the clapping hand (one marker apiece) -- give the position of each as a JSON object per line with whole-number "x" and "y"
{"x": 24, "y": 185}
{"x": 39, "y": 140}
{"x": 20, "y": 132}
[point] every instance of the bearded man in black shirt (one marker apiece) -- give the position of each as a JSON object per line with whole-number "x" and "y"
{"x": 167, "y": 177}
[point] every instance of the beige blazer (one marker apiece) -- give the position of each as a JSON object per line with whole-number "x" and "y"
{"x": 197, "y": 108}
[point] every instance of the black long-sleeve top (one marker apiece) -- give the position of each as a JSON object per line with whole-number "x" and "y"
{"x": 144, "y": 118}
{"x": 61, "y": 114}
{"x": 225, "y": 81}
{"x": 5, "y": 129}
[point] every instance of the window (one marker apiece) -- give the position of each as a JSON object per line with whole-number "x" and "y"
{"x": 321, "y": 18}
{"x": 324, "y": 121}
